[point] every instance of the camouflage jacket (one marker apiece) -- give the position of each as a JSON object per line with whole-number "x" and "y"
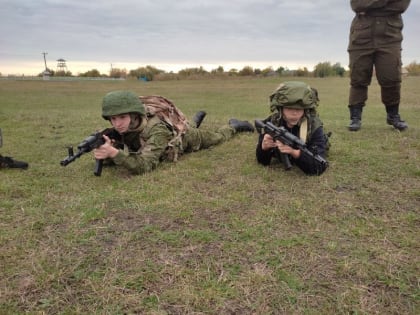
{"x": 143, "y": 149}
{"x": 378, "y": 23}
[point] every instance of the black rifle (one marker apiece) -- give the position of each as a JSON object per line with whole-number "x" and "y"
{"x": 94, "y": 141}
{"x": 287, "y": 138}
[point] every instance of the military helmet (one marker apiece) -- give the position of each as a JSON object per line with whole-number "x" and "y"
{"x": 294, "y": 94}
{"x": 121, "y": 102}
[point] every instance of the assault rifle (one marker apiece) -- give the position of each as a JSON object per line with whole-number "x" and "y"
{"x": 93, "y": 141}
{"x": 286, "y": 137}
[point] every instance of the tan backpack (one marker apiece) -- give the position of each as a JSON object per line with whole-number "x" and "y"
{"x": 172, "y": 116}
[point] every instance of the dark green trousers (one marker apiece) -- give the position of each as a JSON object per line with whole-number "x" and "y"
{"x": 386, "y": 62}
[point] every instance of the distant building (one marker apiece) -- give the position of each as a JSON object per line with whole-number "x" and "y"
{"x": 46, "y": 75}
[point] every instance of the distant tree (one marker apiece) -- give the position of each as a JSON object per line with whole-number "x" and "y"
{"x": 302, "y": 72}
{"x": 413, "y": 68}
{"x": 246, "y": 71}
{"x": 94, "y": 73}
{"x": 218, "y": 70}
{"x": 233, "y": 72}
{"x": 267, "y": 71}
{"x": 117, "y": 73}
{"x": 281, "y": 70}
{"x": 323, "y": 69}
{"x": 193, "y": 71}
{"x": 148, "y": 73}
{"x": 62, "y": 74}
{"x": 338, "y": 69}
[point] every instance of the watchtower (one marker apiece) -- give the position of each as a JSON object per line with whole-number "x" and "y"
{"x": 61, "y": 65}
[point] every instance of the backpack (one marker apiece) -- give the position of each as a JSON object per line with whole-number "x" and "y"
{"x": 172, "y": 116}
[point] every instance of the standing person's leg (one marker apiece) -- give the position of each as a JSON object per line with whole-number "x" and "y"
{"x": 388, "y": 72}
{"x": 361, "y": 69}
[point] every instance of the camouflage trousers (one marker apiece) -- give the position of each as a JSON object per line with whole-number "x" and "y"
{"x": 196, "y": 139}
{"x": 387, "y": 64}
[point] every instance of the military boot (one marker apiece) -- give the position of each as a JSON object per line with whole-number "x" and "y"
{"x": 241, "y": 125}
{"x": 355, "y": 117}
{"x": 198, "y": 118}
{"x": 8, "y": 162}
{"x": 394, "y": 119}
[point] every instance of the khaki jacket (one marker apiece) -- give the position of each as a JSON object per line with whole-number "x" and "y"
{"x": 377, "y": 24}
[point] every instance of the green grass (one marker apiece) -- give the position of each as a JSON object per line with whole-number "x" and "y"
{"x": 214, "y": 233}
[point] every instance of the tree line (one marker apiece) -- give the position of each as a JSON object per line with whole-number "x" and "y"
{"x": 150, "y": 73}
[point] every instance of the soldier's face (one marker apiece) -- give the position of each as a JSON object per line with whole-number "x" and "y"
{"x": 292, "y": 116}
{"x": 121, "y": 122}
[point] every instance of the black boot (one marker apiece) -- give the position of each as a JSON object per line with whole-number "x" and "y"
{"x": 355, "y": 117}
{"x": 394, "y": 119}
{"x": 8, "y": 162}
{"x": 241, "y": 125}
{"x": 198, "y": 118}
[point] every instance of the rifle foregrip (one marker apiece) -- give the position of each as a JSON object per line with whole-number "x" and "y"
{"x": 98, "y": 167}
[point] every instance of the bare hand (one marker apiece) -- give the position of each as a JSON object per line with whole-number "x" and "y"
{"x": 106, "y": 150}
{"x": 283, "y": 148}
{"x": 269, "y": 143}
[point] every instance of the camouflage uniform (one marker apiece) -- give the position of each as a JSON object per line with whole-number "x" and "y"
{"x": 143, "y": 147}
{"x": 375, "y": 42}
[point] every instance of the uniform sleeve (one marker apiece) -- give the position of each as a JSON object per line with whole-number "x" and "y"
{"x": 316, "y": 145}
{"x": 364, "y": 5}
{"x": 149, "y": 157}
{"x": 263, "y": 157}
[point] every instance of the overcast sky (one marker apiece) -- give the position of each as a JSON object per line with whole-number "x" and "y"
{"x": 175, "y": 34}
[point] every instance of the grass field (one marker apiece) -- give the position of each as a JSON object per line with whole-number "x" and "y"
{"x": 214, "y": 233}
